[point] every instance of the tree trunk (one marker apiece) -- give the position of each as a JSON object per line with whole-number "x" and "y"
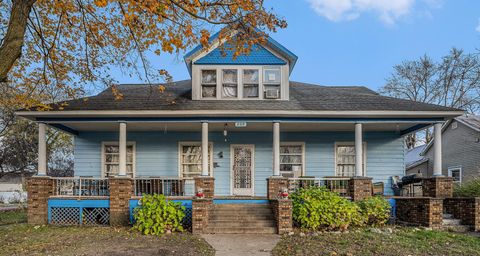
{"x": 11, "y": 48}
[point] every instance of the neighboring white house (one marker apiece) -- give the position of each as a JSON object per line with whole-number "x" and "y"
{"x": 12, "y": 189}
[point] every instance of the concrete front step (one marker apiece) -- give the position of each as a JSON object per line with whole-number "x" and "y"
{"x": 242, "y": 230}
{"x": 242, "y": 219}
{"x": 451, "y": 222}
{"x": 239, "y": 224}
{"x": 237, "y": 217}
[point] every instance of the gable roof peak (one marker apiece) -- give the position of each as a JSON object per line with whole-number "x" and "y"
{"x": 267, "y": 52}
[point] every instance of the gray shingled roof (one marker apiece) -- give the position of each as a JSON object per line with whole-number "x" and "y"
{"x": 177, "y": 96}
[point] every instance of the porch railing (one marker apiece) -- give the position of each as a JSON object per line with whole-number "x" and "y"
{"x": 334, "y": 184}
{"x": 80, "y": 186}
{"x": 166, "y": 186}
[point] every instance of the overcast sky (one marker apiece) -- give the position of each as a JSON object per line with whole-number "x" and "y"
{"x": 357, "y": 42}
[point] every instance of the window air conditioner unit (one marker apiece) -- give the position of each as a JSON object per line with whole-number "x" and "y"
{"x": 272, "y": 93}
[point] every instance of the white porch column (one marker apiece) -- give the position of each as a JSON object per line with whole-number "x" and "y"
{"x": 437, "y": 149}
{"x": 122, "y": 150}
{"x": 358, "y": 150}
{"x": 276, "y": 149}
{"x": 42, "y": 150}
{"x": 204, "y": 149}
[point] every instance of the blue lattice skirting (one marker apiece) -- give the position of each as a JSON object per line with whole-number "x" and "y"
{"x": 92, "y": 212}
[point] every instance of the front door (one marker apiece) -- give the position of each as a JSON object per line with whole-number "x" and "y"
{"x": 242, "y": 159}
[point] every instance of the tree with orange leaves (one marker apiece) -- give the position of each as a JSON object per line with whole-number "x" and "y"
{"x": 51, "y": 49}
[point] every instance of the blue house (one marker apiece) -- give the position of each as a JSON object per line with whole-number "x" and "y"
{"x": 239, "y": 121}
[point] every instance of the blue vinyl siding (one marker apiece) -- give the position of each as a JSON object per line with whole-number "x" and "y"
{"x": 157, "y": 154}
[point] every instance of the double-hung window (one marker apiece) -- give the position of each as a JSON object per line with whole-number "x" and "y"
{"x": 292, "y": 160}
{"x": 190, "y": 158}
{"x": 111, "y": 156}
{"x": 345, "y": 159}
{"x": 209, "y": 83}
{"x": 271, "y": 83}
{"x": 250, "y": 83}
{"x": 229, "y": 83}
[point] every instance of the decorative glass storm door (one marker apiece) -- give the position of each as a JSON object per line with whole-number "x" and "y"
{"x": 242, "y": 160}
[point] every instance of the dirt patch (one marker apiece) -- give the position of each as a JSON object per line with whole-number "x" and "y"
{"x": 22, "y": 239}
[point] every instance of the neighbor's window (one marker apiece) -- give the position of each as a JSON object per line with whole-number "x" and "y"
{"x": 111, "y": 156}
{"x": 229, "y": 83}
{"x": 345, "y": 159}
{"x": 455, "y": 173}
{"x": 271, "y": 83}
{"x": 250, "y": 83}
{"x": 291, "y": 159}
{"x": 191, "y": 159}
{"x": 209, "y": 83}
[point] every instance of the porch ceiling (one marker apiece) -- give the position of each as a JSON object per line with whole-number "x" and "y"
{"x": 219, "y": 126}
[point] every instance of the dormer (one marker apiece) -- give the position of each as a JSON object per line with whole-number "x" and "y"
{"x": 261, "y": 75}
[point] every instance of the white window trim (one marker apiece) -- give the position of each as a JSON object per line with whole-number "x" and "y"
{"x": 194, "y": 143}
{"x": 197, "y": 81}
{"x": 296, "y": 143}
{"x": 454, "y": 168}
{"x": 115, "y": 143}
{"x": 351, "y": 143}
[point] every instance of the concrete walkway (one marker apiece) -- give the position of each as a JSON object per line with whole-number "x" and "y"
{"x": 242, "y": 244}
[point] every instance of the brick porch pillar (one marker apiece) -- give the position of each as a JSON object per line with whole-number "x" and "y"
{"x": 206, "y": 183}
{"x": 121, "y": 190}
{"x": 275, "y": 184}
{"x": 200, "y": 214}
{"x": 39, "y": 189}
{"x": 283, "y": 212}
{"x": 360, "y": 188}
{"x": 421, "y": 211}
{"x": 438, "y": 187}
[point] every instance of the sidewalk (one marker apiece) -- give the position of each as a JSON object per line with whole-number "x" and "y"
{"x": 242, "y": 244}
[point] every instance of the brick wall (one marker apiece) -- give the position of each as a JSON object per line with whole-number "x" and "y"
{"x": 207, "y": 184}
{"x": 275, "y": 184}
{"x": 360, "y": 188}
{"x": 39, "y": 189}
{"x": 438, "y": 187}
{"x": 421, "y": 211}
{"x": 283, "y": 212}
{"x": 465, "y": 209}
{"x": 121, "y": 190}
{"x": 200, "y": 212}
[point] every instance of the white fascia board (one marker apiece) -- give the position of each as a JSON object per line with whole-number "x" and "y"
{"x": 241, "y": 113}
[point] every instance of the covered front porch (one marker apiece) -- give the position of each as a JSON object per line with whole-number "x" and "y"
{"x": 240, "y": 154}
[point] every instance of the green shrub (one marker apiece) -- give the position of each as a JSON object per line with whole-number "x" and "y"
{"x": 317, "y": 208}
{"x": 375, "y": 210}
{"x": 467, "y": 189}
{"x": 158, "y": 215}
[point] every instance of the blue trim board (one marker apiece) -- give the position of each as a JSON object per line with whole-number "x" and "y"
{"x": 238, "y": 119}
{"x": 76, "y": 203}
{"x": 64, "y": 128}
{"x": 414, "y": 128}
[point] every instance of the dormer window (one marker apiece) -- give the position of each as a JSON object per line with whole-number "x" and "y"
{"x": 250, "y": 83}
{"x": 230, "y": 83}
{"x": 209, "y": 83}
{"x": 271, "y": 83}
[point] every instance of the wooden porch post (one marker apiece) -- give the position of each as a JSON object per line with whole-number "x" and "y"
{"x": 204, "y": 149}
{"x": 42, "y": 150}
{"x": 437, "y": 150}
{"x": 122, "y": 150}
{"x": 276, "y": 149}
{"x": 358, "y": 150}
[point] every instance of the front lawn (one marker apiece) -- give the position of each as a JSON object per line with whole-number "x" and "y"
{"x": 402, "y": 241}
{"x": 23, "y": 239}
{"x": 12, "y": 217}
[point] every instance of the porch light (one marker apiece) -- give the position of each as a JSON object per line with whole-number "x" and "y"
{"x": 225, "y": 132}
